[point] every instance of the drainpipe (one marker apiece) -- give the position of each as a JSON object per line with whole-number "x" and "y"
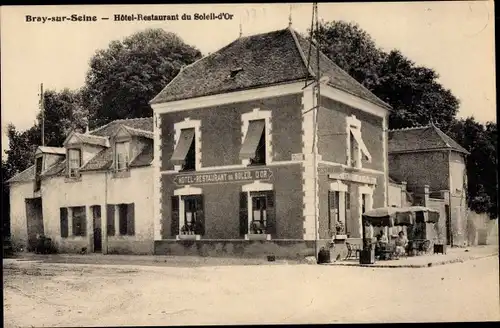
{"x": 104, "y": 231}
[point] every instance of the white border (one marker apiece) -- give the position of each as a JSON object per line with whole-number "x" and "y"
{"x": 252, "y": 187}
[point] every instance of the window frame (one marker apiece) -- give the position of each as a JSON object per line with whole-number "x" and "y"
{"x": 127, "y": 147}
{"x": 71, "y": 169}
{"x": 255, "y": 115}
{"x": 188, "y": 123}
{"x": 82, "y": 232}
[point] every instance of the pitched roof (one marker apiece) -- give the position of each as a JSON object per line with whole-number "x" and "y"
{"x": 101, "y": 161}
{"x": 142, "y": 127}
{"x": 422, "y": 138}
{"x": 257, "y": 61}
{"x": 145, "y": 124}
{"x": 51, "y": 150}
{"x": 139, "y": 133}
{"x": 93, "y": 139}
{"x": 104, "y": 159}
{"x": 24, "y": 176}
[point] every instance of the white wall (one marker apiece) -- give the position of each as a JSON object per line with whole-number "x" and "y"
{"x": 394, "y": 195}
{"x": 19, "y": 191}
{"x": 91, "y": 190}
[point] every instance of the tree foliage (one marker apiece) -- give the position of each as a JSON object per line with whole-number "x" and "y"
{"x": 123, "y": 78}
{"x": 481, "y": 141}
{"x": 413, "y": 91}
{"x": 62, "y": 113}
{"x": 417, "y": 98}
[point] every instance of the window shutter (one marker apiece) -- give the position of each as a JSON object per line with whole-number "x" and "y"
{"x": 110, "y": 219}
{"x": 131, "y": 219}
{"x": 63, "y": 214}
{"x": 174, "y": 222}
{"x": 243, "y": 213}
{"x": 271, "y": 213}
{"x": 83, "y": 220}
{"x": 200, "y": 216}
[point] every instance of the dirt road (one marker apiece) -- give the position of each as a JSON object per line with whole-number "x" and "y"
{"x": 48, "y": 294}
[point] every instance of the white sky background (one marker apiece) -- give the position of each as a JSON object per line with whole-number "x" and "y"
{"x": 454, "y": 38}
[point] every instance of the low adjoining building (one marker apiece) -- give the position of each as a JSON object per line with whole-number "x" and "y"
{"x": 94, "y": 193}
{"x": 433, "y": 166}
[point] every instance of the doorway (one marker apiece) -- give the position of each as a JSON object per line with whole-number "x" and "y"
{"x": 34, "y": 221}
{"x": 449, "y": 234}
{"x": 96, "y": 217}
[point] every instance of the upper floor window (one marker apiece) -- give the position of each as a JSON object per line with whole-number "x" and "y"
{"x": 122, "y": 155}
{"x": 356, "y": 147}
{"x": 185, "y": 151}
{"x": 254, "y": 143}
{"x": 74, "y": 162}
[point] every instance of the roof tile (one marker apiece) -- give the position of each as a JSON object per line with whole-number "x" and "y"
{"x": 262, "y": 60}
{"x": 421, "y": 139}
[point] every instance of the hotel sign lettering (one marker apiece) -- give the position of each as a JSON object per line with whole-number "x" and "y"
{"x": 223, "y": 177}
{"x": 354, "y": 178}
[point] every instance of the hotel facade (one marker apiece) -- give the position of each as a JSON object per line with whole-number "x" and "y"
{"x": 239, "y": 167}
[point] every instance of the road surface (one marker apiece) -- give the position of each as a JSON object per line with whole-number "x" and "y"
{"x": 47, "y": 294}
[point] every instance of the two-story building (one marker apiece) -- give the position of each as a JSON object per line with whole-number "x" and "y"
{"x": 241, "y": 168}
{"x": 93, "y": 194}
{"x": 433, "y": 166}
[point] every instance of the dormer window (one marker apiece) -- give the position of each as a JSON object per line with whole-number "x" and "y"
{"x": 235, "y": 72}
{"x": 122, "y": 159}
{"x": 74, "y": 162}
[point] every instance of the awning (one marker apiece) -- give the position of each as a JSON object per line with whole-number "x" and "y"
{"x": 425, "y": 214}
{"x": 180, "y": 152}
{"x": 252, "y": 138}
{"x": 404, "y": 219}
{"x": 357, "y": 136}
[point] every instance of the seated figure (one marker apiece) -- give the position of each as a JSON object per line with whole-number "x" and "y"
{"x": 401, "y": 243}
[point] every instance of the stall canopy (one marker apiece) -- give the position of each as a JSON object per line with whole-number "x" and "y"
{"x": 400, "y": 216}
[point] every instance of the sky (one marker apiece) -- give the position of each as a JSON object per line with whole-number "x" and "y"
{"x": 456, "y": 38}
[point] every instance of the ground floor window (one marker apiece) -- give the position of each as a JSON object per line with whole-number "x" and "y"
{"x": 126, "y": 219}
{"x": 79, "y": 221}
{"x": 257, "y": 213}
{"x": 188, "y": 216}
{"x": 120, "y": 219}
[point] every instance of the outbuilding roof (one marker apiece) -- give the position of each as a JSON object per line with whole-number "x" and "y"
{"x": 423, "y": 138}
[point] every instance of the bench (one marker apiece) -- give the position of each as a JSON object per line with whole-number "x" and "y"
{"x": 352, "y": 250}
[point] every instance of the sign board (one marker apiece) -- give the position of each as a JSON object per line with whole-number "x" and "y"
{"x": 223, "y": 177}
{"x": 354, "y": 178}
{"x": 298, "y": 157}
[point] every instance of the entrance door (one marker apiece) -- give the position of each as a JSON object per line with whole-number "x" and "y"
{"x": 96, "y": 214}
{"x": 34, "y": 221}
{"x": 449, "y": 235}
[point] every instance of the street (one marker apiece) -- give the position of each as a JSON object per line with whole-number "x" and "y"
{"x": 48, "y": 294}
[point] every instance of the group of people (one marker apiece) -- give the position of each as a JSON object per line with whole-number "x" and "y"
{"x": 401, "y": 243}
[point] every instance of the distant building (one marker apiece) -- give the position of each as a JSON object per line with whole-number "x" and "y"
{"x": 433, "y": 166}
{"x": 95, "y": 192}
{"x": 234, "y": 166}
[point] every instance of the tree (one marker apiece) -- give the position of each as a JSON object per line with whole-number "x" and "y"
{"x": 413, "y": 91}
{"x": 62, "y": 113}
{"x": 481, "y": 141}
{"x": 124, "y": 77}
{"x": 352, "y": 49}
